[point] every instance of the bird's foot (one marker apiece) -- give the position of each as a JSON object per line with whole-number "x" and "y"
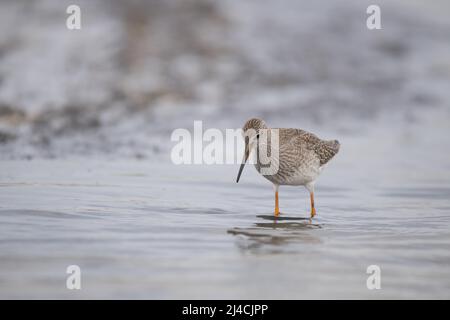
{"x": 313, "y": 212}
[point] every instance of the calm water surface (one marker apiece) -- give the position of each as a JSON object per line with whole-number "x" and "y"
{"x": 156, "y": 230}
{"x": 150, "y": 229}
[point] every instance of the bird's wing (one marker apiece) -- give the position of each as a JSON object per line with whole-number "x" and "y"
{"x": 324, "y": 150}
{"x": 295, "y": 154}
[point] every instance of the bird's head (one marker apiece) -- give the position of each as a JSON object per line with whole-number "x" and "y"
{"x": 250, "y": 133}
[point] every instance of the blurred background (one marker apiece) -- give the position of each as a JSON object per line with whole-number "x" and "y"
{"x": 139, "y": 69}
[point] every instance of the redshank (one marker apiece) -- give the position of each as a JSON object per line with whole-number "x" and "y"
{"x": 300, "y": 156}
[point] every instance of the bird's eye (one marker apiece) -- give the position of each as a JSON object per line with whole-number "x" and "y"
{"x": 257, "y": 136}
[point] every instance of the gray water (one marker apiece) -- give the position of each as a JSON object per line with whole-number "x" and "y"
{"x": 140, "y": 229}
{"x": 85, "y": 171}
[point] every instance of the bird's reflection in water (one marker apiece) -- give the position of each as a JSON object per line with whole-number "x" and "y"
{"x": 275, "y": 233}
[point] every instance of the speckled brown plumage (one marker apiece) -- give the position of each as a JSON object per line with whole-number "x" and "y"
{"x": 324, "y": 149}
{"x": 255, "y": 124}
{"x": 300, "y": 158}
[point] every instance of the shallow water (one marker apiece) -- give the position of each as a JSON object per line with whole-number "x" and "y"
{"x": 146, "y": 230}
{"x": 150, "y": 229}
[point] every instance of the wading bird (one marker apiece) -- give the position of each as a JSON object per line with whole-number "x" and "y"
{"x": 297, "y": 156}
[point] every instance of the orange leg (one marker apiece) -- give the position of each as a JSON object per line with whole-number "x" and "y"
{"x": 313, "y": 210}
{"x": 277, "y": 208}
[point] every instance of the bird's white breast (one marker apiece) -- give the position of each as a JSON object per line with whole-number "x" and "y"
{"x": 302, "y": 176}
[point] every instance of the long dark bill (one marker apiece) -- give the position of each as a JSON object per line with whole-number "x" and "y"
{"x": 244, "y": 160}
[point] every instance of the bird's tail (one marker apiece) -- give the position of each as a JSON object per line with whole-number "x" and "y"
{"x": 335, "y": 145}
